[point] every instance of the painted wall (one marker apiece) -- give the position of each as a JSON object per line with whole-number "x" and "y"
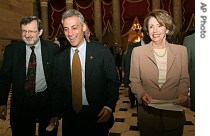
{"x": 11, "y": 12}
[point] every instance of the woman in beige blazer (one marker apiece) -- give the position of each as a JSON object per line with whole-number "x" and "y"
{"x": 159, "y": 70}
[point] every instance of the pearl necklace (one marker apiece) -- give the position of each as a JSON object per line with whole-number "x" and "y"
{"x": 159, "y": 54}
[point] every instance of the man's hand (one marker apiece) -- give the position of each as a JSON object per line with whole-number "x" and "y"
{"x": 104, "y": 115}
{"x": 54, "y": 122}
{"x": 3, "y": 112}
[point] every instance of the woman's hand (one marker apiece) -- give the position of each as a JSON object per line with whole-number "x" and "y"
{"x": 183, "y": 100}
{"x": 146, "y": 98}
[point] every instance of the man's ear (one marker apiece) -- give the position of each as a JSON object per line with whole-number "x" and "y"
{"x": 84, "y": 27}
{"x": 40, "y": 32}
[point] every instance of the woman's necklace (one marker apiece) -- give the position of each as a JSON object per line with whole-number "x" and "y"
{"x": 160, "y": 55}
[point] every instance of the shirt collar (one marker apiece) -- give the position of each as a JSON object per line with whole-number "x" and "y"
{"x": 37, "y": 45}
{"x": 81, "y": 48}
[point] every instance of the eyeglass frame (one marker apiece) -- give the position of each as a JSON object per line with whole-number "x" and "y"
{"x": 29, "y": 31}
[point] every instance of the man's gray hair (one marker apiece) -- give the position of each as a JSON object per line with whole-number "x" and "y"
{"x": 71, "y": 13}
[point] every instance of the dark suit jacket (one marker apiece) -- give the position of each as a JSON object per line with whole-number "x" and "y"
{"x": 128, "y": 61}
{"x": 13, "y": 71}
{"x": 101, "y": 79}
{"x": 189, "y": 42}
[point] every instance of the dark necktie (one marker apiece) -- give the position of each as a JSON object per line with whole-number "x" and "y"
{"x": 76, "y": 82}
{"x": 31, "y": 74}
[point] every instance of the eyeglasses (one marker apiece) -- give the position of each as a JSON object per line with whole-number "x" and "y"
{"x": 29, "y": 32}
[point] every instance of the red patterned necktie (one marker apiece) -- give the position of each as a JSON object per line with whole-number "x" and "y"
{"x": 31, "y": 74}
{"x": 76, "y": 82}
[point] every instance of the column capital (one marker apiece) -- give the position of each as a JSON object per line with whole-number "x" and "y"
{"x": 69, "y": 1}
{"x": 43, "y": 3}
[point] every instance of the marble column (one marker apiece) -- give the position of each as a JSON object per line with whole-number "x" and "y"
{"x": 44, "y": 18}
{"x": 177, "y": 14}
{"x": 98, "y": 19}
{"x": 156, "y": 4}
{"x": 69, "y": 4}
{"x": 116, "y": 22}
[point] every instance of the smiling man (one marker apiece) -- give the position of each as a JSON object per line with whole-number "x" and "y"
{"x": 100, "y": 82}
{"x": 27, "y": 71}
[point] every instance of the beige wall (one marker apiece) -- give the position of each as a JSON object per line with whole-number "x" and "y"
{"x": 11, "y": 12}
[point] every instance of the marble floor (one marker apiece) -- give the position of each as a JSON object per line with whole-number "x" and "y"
{"x": 125, "y": 120}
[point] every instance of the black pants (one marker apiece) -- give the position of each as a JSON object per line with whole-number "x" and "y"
{"x": 35, "y": 109}
{"x": 131, "y": 98}
{"x": 85, "y": 123}
{"x": 120, "y": 74}
{"x": 192, "y": 98}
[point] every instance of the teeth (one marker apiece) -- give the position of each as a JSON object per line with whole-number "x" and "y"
{"x": 155, "y": 35}
{"x": 72, "y": 38}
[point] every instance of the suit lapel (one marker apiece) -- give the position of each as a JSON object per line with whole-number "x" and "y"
{"x": 44, "y": 51}
{"x": 67, "y": 65}
{"x": 89, "y": 61}
{"x": 151, "y": 56}
{"x": 22, "y": 58}
{"x": 150, "y": 53}
{"x": 171, "y": 57}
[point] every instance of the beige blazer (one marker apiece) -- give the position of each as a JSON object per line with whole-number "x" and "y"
{"x": 144, "y": 78}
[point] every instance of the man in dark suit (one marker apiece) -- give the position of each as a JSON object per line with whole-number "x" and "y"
{"x": 189, "y": 42}
{"x": 27, "y": 109}
{"x": 127, "y": 69}
{"x": 118, "y": 62}
{"x": 100, "y": 82}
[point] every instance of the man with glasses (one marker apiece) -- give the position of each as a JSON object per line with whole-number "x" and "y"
{"x": 29, "y": 104}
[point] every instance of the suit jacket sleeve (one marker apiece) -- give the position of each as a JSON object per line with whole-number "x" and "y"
{"x": 6, "y": 74}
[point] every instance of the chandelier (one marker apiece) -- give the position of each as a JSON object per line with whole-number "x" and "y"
{"x": 136, "y": 27}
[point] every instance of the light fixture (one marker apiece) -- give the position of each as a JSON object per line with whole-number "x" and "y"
{"x": 136, "y": 27}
